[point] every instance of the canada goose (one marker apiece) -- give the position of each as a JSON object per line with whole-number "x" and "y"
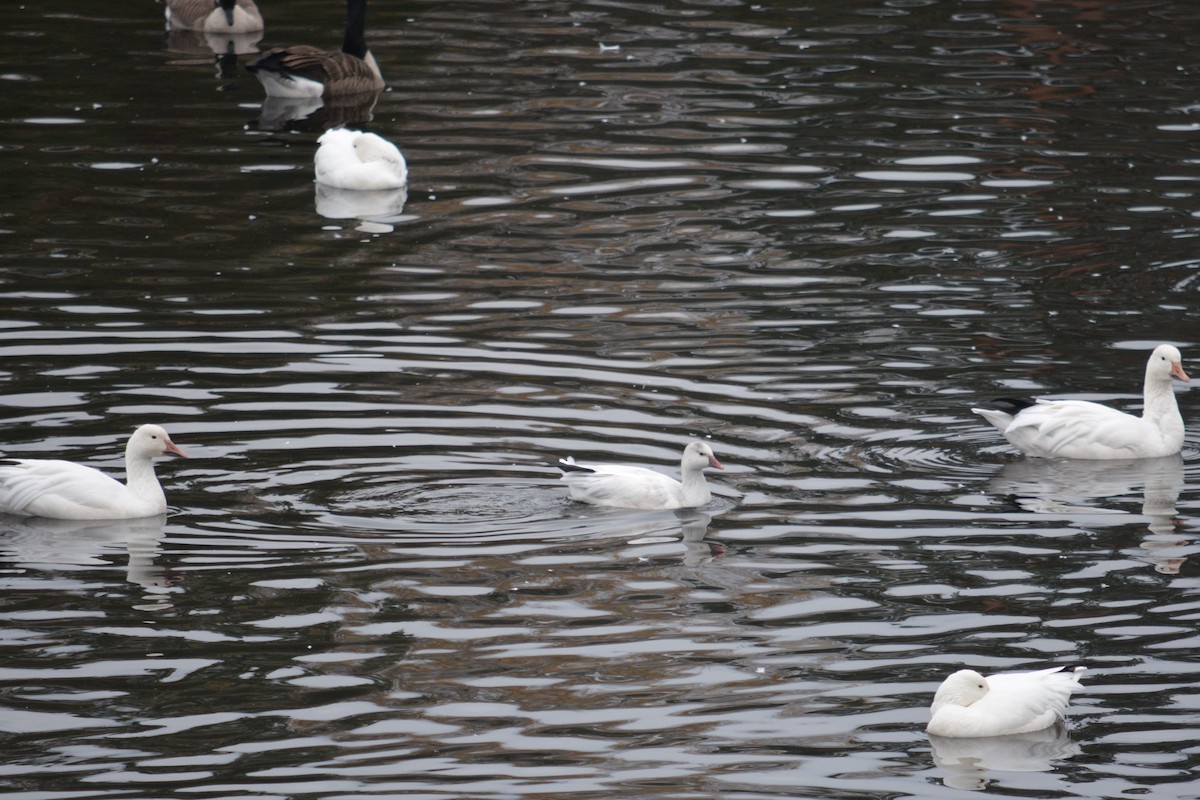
{"x": 214, "y": 16}
{"x": 305, "y": 71}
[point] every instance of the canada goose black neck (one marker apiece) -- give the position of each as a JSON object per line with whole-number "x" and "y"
{"x": 355, "y": 43}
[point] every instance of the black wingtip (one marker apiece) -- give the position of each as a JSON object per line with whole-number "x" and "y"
{"x": 272, "y": 61}
{"x": 1073, "y": 668}
{"x": 1009, "y": 405}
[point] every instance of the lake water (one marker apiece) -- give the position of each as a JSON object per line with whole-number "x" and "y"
{"x": 812, "y": 234}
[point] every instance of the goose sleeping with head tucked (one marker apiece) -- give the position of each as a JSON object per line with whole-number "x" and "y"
{"x": 31, "y": 487}
{"x": 305, "y": 71}
{"x": 347, "y": 159}
{"x": 1082, "y": 429}
{"x": 969, "y": 705}
{"x": 641, "y": 488}
{"x": 214, "y": 16}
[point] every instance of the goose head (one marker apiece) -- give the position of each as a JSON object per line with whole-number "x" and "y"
{"x": 150, "y": 441}
{"x": 961, "y": 689}
{"x": 369, "y": 147}
{"x": 1166, "y": 362}
{"x": 698, "y": 455}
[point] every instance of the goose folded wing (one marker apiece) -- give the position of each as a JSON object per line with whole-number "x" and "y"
{"x": 1077, "y": 423}
{"x": 33, "y": 484}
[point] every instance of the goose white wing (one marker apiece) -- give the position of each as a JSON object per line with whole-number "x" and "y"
{"x": 625, "y": 487}
{"x": 52, "y": 488}
{"x": 1033, "y": 700}
{"x": 1080, "y": 429}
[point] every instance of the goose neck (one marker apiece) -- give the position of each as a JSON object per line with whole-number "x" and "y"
{"x": 140, "y": 477}
{"x": 355, "y": 41}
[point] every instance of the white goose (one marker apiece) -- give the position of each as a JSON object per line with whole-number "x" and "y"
{"x": 641, "y": 488}
{"x": 214, "y": 16}
{"x": 348, "y": 159}
{"x": 306, "y": 71}
{"x": 969, "y": 705}
{"x": 1082, "y": 429}
{"x": 65, "y": 490}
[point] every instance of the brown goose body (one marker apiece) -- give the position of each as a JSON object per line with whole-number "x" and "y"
{"x": 306, "y": 71}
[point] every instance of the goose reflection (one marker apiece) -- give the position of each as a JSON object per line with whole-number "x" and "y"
{"x": 686, "y": 527}
{"x": 1069, "y": 486}
{"x": 334, "y": 203}
{"x": 316, "y": 113}
{"x": 967, "y": 762}
{"x": 226, "y": 47}
{"x": 34, "y": 541}
{"x": 693, "y": 527}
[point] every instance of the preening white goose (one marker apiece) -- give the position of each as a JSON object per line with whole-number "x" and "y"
{"x": 641, "y": 488}
{"x": 1082, "y": 429}
{"x": 968, "y": 705}
{"x": 306, "y": 71}
{"x": 214, "y": 16}
{"x": 349, "y": 159}
{"x": 64, "y": 490}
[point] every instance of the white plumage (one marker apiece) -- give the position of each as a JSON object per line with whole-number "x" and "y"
{"x": 641, "y": 488}
{"x": 1082, "y": 429}
{"x": 349, "y": 159}
{"x": 969, "y": 705}
{"x": 65, "y": 490}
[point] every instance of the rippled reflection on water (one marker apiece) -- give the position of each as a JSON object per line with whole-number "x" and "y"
{"x": 813, "y": 236}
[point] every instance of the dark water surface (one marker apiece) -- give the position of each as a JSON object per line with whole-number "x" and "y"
{"x": 814, "y": 234}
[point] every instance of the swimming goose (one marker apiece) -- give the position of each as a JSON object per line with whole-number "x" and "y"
{"x": 348, "y": 159}
{"x": 641, "y": 488}
{"x": 214, "y": 16}
{"x": 64, "y": 490}
{"x": 1082, "y": 429}
{"x": 968, "y": 705}
{"x": 305, "y": 71}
